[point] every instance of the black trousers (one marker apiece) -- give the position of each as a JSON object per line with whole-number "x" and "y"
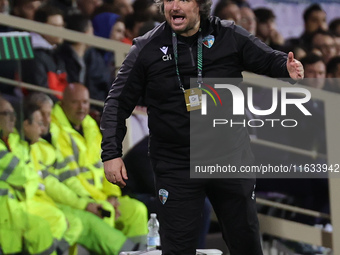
{"x": 232, "y": 199}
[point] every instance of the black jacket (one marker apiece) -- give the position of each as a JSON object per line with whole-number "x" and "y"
{"x": 145, "y": 73}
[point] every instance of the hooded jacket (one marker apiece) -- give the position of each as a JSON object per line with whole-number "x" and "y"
{"x": 46, "y": 69}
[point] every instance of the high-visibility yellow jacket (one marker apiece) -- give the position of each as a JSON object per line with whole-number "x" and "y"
{"x": 44, "y": 157}
{"x": 19, "y": 183}
{"x": 16, "y": 168}
{"x": 86, "y": 151}
{"x": 20, "y": 231}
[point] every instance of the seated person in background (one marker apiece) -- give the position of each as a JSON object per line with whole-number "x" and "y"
{"x": 314, "y": 18}
{"x": 25, "y": 8}
{"x": 87, "y": 7}
{"x": 78, "y": 136}
{"x": 19, "y": 231}
{"x": 324, "y": 42}
{"x": 83, "y": 64}
{"x": 333, "y": 73}
{"x": 21, "y": 176}
{"x": 334, "y": 28}
{"x": 133, "y": 24}
{"x": 110, "y": 26}
{"x": 46, "y": 69}
{"x": 228, "y": 9}
{"x": 248, "y": 20}
{"x": 266, "y": 29}
{"x": 46, "y": 158}
{"x": 315, "y": 71}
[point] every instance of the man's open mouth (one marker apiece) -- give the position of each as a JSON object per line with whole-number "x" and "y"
{"x": 177, "y": 18}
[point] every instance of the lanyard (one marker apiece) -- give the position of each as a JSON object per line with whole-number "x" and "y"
{"x": 199, "y": 59}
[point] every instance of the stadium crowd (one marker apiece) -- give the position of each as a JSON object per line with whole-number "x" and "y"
{"x": 53, "y": 191}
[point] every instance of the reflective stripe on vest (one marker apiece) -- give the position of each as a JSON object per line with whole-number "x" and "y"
{"x": 68, "y": 174}
{"x": 75, "y": 149}
{"x": 3, "y": 192}
{"x": 99, "y": 164}
{"x": 2, "y": 154}
{"x": 60, "y": 165}
{"x": 51, "y": 249}
{"x": 84, "y": 169}
{"x": 9, "y": 169}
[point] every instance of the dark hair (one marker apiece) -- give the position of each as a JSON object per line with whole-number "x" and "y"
{"x": 332, "y": 65}
{"x": 29, "y": 110}
{"x": 335, "y": 23}
{"x": 321, "y": 32}
{"x": 312, "y": 8}
{"x": 77, "y": 22}
{"x": 141, "y": 5}
{"x": 264, "y": 14}
{"x": 221, "y": 5}
{"x": 310, "y": 59}
{"x": 106, "y": 7}
{"x": 204, "y": 5}
{"x": 15, "y": 3}
{"x": 131, "y": 19}
{"x": 42, "y": 14}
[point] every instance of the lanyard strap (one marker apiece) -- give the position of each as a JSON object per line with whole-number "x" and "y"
{"x": 199, "y": 59}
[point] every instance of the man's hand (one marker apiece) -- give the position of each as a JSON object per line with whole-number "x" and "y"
{"x": 115, "y": 172}
{"x": 294, "y": 67}
{"x": 94, "y": 208}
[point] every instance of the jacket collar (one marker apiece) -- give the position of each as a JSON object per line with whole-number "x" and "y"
{"x": 38, "y": 42}
{"x": 206, "y": 25}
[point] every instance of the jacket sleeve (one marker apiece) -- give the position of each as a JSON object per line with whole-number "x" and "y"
{"x": 67, "y": 169}
{"x": 123, "y": 97}
{"x": 60, "y": 193}
{"x": 258, "y": 57}
{"x": 35, "y": 71}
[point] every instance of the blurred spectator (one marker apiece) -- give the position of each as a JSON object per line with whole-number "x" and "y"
{"x": 73, "y": 53}
{"x": 227, "y": 9}
{"x": 242, "y": 3}
{"x": 248, "y": 20}
{"x": 110, "y": 26}
{"x": 104, "y": 23}
{"x": 315, "y": 71}
{"x": 25, "y": 8}
{"x": 4, "y": 9}
{"x": 78, "y": 134}
{"x": 4, "y": 6}
{"x": 65, "y": 5}
{"x": 266, "y": 28}
{"x": 334, "y": 28}
{"x": 299, "y": 52}
{"x": 46, "y": 69}
{"x": 85, "y": 65}
{"x": 314, "y": 19}
{"x": 87, "y": 7}
{"x": 150, "y": 11}
{"x": 147, "y": 8}
{"x": 333, "y": 73}
{"x": 325, "y": 43}
{"x": 118, "y": 31}
{"x": 133, "y": 24}
{"x": 121, "y": 7}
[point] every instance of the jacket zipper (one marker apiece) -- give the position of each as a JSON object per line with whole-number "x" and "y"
{"x": 192, "y": 57}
